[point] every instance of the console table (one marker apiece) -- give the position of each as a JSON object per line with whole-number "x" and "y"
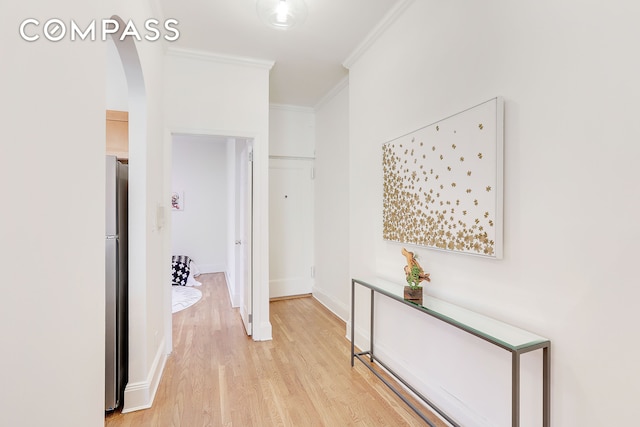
{"x": 513, "y": 339}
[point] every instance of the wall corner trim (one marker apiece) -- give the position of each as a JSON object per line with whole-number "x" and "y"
{"x": 220, "y": 58}
{"x": 140, "y": 395}
{"x": 294, "y": 108}
{"x": 332, "y": 93}
{"x": 263, "y": 332}
{"x": 377, "y": 31}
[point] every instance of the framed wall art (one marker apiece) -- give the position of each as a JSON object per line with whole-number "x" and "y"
{"x": 443, "y": 183}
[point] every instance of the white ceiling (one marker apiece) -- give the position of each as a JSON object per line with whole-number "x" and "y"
{"x": 308, "y": 59}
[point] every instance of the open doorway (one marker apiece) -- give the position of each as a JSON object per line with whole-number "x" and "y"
{"x": 126, "y": 92}
{"x": 212, "y": 175}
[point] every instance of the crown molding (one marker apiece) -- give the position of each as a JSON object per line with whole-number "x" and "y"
{"x": 377, "y": 31}
{"x": 220, "y": 58}
{"x": 287, "y": 107}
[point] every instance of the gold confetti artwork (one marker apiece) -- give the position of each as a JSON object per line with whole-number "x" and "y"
{"x": 417, "y": 210}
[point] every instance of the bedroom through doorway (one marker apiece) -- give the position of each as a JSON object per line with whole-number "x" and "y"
{"x": 211, "y": 213}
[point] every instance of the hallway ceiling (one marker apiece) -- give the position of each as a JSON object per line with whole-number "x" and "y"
{"x": 308, "y": 58}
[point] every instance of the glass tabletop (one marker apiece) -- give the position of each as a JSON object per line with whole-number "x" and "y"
{"x": 496, "y": 331}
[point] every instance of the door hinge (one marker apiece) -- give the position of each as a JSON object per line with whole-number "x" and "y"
{"x": 251, "y": 156}
{"x": 313, "y": 173}
{"x": 313, "y": 271}
{"x": 251, "y": 318}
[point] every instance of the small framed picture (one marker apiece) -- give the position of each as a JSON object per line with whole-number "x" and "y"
{"x": 177, "y": 201}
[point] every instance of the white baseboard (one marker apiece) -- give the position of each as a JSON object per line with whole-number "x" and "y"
{"x": 140, "y": 395}
{"x": 435, "y": 392}
{"x": 264, "y": 332}
{"x": 362, "y": 340}
{"x": 211, "y": 268}
{"x": 231, "y": 287}
{"x": 290, "y": 286}
{"x": 332, "y": 304}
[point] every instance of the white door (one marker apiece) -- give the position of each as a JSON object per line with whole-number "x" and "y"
{"x": 244, "y": 242}
{"x": 291, "y": 246}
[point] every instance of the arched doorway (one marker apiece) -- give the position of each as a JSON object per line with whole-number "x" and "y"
{"x": 129, "y": 63}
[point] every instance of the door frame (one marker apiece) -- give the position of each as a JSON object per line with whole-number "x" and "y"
{"x": 244, "y": 232}
{"x": 281, "y": 286}
{"x": 259, "y": 262}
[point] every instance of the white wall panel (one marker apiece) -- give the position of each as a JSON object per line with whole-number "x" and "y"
{"x": 332, "y": 204}
{"x": 570, "y": 122}
{"x": 200, "y": 172}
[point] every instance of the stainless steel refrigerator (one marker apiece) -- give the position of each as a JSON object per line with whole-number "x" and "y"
{"x": 116, "y": 282}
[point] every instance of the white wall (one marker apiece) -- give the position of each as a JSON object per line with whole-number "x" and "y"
{"x": 332, "y": 202}
{"x": 291, "y": 131}
{"x": 53, "y": 321}
{"x": 571, "y": 199}
{"x": 214, "y": 95}
{"x": 117, "y": 90}
{"x": 52, "y": 231}
{"x": 199, "y": 172}
{"x": 149, "y": 238}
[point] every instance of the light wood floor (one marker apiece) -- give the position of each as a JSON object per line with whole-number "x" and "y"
{"x": 217, "y": 376}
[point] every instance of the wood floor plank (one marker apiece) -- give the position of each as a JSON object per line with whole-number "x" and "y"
{"x": 217, "y": 376}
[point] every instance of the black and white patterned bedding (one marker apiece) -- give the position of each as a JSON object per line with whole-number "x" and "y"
{"x": 180, "y": 265}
